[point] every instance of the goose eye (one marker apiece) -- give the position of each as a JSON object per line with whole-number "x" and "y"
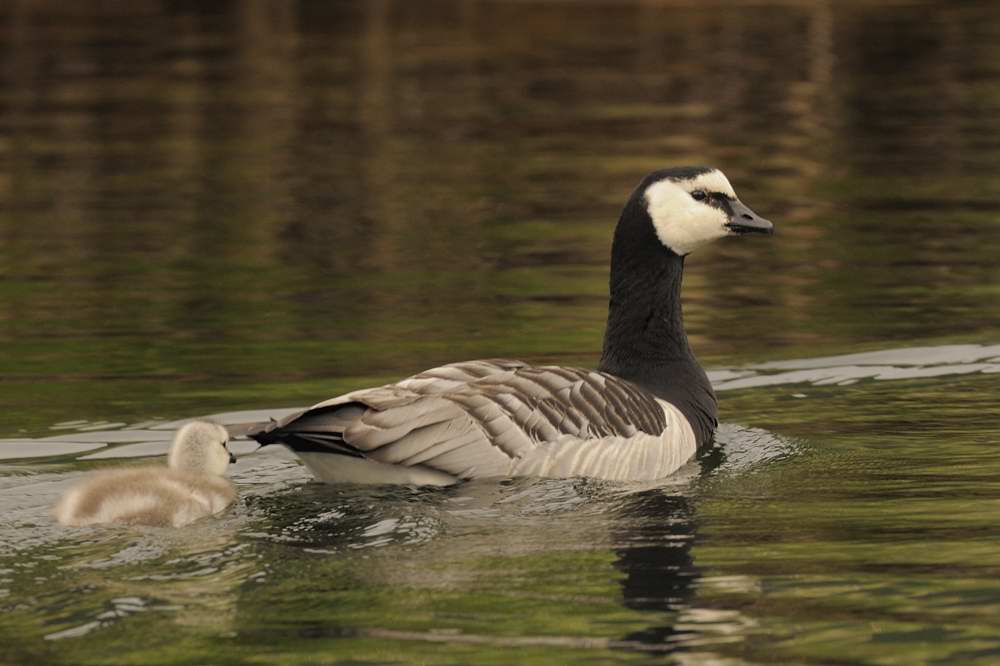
{"x": 699, "y": 195}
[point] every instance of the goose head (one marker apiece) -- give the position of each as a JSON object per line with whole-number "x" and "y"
{"x": 200, "y": 446}
{"x": 692, "y": 206}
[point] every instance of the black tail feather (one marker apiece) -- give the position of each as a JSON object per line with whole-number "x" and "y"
{"x": 304, "y": 440}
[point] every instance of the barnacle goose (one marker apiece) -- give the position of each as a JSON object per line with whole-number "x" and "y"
{"x": 639, "y": 416}
{"x": 189, "y": 488}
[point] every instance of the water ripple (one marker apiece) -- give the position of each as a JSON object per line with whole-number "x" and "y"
{"x": 911, "y": 363}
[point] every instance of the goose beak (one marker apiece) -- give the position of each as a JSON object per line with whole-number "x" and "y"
{"x": 744, "y": 221}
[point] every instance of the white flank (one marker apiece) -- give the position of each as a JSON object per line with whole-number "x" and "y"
{"x": 641, "y": 457}
{"x": 334, "y": 468}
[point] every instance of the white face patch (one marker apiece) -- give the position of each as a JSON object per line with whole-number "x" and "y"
{"x": 683, "y": 223}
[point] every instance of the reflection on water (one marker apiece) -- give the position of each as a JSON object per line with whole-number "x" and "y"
{"x": 189, "y": 195}
{"x": 190, "y": 575}
{"x": 223, "y": 207}
{"x": 651, "y": 529}
{"x": 656, "y": 562}
{"x": 561, "y": 566}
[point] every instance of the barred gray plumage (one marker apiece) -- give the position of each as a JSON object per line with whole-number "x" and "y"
{"x": 474, "y": 418}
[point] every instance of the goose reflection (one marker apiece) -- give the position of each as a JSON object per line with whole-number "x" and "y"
{"x": 657, "y": 533}
{"x": 658, "y": 568}
{"x": 500, "y": 563}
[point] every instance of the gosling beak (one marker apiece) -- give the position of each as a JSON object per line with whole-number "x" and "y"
{"x": 742, "y": 220}
{"x": 232, "y": 458}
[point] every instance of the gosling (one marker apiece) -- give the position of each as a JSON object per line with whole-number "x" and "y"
{"x": 191, "y": 487}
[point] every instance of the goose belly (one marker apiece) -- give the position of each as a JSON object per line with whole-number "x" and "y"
{"x": 334, "y": 468}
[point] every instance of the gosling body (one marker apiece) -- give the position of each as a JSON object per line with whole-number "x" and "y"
{"x": 189, "y": 489}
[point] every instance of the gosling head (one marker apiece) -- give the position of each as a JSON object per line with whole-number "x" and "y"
{"x": 692, "y": 206}
{"x": 200, "y": 446}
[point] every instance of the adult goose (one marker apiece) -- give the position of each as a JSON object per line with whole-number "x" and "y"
{"x": 639, "y": 416}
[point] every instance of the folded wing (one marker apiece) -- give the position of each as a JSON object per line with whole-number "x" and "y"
{"x": 491, "y": 418}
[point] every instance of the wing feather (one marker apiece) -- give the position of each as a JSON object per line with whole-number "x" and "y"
{"x": 376, "y": 428}
{"x": 411, "y": 448}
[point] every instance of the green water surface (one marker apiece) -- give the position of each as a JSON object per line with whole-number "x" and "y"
{"x": 212, "y": 207}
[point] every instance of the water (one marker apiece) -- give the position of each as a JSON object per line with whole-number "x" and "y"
{"x": 257, "y": 205}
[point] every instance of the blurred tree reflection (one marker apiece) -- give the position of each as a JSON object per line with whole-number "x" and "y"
{"x": 272, "y": 190}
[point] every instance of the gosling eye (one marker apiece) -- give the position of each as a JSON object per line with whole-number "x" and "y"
{"x": 699, "y": 195}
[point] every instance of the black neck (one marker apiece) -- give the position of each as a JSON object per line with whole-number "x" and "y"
{"x": 645, "y": 322}
{"x": 644, "y": 341}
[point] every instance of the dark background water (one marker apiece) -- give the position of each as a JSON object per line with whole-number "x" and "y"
{"x": 249, "y": 205}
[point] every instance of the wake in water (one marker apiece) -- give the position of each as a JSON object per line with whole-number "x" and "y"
{"x": 910, "y": 363}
